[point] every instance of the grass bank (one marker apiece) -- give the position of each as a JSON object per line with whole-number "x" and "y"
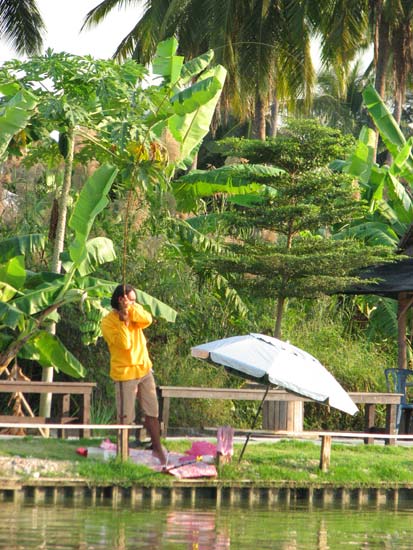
{"x": 289, "y": 461}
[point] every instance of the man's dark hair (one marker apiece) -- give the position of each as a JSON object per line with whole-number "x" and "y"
{"x": 119, "y": 292}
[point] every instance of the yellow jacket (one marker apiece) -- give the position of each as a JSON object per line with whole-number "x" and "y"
{"x": 129, "y": 357}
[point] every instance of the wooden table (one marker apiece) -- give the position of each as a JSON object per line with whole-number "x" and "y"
{"x": 368, "y": 399}
{"x": 63, "y": 389}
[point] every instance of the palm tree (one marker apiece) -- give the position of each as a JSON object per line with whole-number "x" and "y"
{"x": 401, "y": 41}
{"x": 338, "y": 98}
{"x": 21, "y": 25}
{"x": 267, "y": 58}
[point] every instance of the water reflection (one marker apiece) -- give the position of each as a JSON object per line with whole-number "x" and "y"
{"x": 196, "y": 530}
{"x": 58, "y": 527}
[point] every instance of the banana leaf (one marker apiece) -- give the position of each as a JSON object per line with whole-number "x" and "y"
{"x": 190, "y": 99}
{"x": 99, "y": 250}
{"x": 92, "y": 200}
{"x": 372, "y": 232}
{"x": 48, "y": 350}
{"x": 166, "y": 63}
{"x": 400, "y": 199}
{"x": 360, "y": 162}
{"x": 389, "y": 130}
{"x": 20, "y": 246}
{"x": 237, "y": 179}
{"x": 99, "y": 288}
{"x": 38, "y": 280}
{"x": 383, "y": 318}
{"x": 239, "y": 174}
{"x": 40, "y": 299}
{"x": 10, "y": 315}
{"x": 13, "y": 272}
{"x": 7, "y": 292}
{"x": 193, "y": 68}
{"x": 14, "y": 116}
{"x": 190, "y": 128}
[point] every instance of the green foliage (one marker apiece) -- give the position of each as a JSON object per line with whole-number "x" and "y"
{"x": 300, "y": 146}
{"x": 312, "y": 267}
{"x": 289, "y": 244}
{"x": 387, "y": 189}
{"x": 14, "y": 114}
{"x": 387, "y": 126}
{"x": 239, "y": 179}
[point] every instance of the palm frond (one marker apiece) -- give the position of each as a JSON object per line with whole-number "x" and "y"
{"x": 21, "y": 25}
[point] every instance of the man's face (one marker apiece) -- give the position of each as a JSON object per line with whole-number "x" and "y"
{"x": 127, "y": 300}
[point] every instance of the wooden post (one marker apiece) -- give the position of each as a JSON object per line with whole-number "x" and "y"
{"x": 64, "y": 412}
{"x": 369, "y": 421}
{"x": 391, "y": 414}
{"x": 283, "y": 415}
{"x": 123, "y": 444}
{"x": 164, "y": 415}
{"x": 325, "y": 453}
{"x": 402, "y": 307}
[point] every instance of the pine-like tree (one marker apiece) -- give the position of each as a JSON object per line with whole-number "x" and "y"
{"x": 286, "y": 243}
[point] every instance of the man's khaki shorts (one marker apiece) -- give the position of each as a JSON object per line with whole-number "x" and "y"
{"x": 126, "y": 392}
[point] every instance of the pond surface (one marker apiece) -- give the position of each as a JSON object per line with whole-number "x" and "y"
{"x": 51, "y": 526}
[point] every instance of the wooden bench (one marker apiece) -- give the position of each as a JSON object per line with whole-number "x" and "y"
{"x": 368, "y": 399}
{"x": 121, "y": 429}
{"x": 64, "y": 390}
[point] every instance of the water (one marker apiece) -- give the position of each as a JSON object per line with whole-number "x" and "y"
{"x": 51, "y": 526}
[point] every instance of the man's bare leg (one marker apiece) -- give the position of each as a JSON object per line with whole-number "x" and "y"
{"x": 152, "y": 425}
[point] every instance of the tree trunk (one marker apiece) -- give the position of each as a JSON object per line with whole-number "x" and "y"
{"x": 274, "y": 117}
{"x": 278, "y": 316}
{"x": 56, "y": 266}
{"x": 402, "y": 307}
{"x": 259, "y": 119}
{"x": 381, "y": 56}
{"x": 402, "y": 61}
{"x": 381, "y": 49}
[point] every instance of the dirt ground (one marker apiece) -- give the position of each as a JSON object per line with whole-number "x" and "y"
{"x": 16, "y": 466}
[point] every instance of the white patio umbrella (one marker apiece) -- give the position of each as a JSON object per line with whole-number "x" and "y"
{"x": 273, "y": 362}
{"x": 270, "y": 361}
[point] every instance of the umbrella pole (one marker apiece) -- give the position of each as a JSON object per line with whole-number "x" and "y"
{"x": 253, "y": 424}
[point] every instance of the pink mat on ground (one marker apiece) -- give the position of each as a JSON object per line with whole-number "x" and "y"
{"x": 183, "y": 466}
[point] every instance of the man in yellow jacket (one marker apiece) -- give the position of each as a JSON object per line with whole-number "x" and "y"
{"x": 130, "y": 364}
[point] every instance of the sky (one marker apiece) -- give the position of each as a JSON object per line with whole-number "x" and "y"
{"x": 63, "y": 21}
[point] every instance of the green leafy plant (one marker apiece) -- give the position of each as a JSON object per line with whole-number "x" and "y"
{"x": 32, "y": 302}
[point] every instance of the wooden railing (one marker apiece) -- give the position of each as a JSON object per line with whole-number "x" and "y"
{"x": 368, "y": 399}
{"x": 64, "y": 390}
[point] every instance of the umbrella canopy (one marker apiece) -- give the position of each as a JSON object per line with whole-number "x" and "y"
{"x": 268, "y": 360}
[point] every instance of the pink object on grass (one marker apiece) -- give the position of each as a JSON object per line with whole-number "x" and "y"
{"x": 107, "y": 445}
{"x": 194, "y": 470}
{"x": 81, "y": 451}
{"x": 201, "y": 448}
{"x": 225, "y": 440}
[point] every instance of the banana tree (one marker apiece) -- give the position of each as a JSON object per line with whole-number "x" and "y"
{"x": 30, "y": 301}
{"x": 193, "y": 90}
{"x": 15, "y": 113}
{"x": 132, "y": 126}
{"x": 175, "y": 107}
{"x": 388, "y": 191}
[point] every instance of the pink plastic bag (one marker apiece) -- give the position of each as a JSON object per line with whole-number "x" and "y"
{"x": 225, "y": 441}
{"x": 201, "y": 449}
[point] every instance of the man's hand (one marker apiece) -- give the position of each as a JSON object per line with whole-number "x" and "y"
{"x": 124, "y": 303}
